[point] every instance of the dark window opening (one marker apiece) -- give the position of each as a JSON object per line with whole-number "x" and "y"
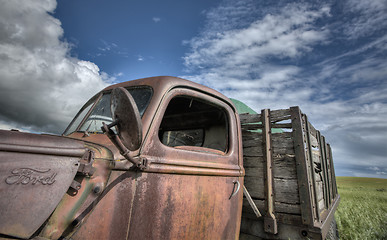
{"x": 193, "y": 122}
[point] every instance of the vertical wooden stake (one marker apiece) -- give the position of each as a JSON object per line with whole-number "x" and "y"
{"x": 270, "y": 222}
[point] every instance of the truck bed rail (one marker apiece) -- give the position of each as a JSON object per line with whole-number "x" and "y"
{"x": 289, "y": 175}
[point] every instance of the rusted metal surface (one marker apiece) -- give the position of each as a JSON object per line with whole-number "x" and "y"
{"x": 36, "y": 172}
{"x": 76, "y": 202}
{"x": 183, "y": 193}
{"x": 186, "y": 207}
{"x": 270, "y": 221}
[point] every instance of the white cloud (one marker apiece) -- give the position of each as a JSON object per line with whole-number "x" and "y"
{"x": 41, "y": 86}
{"x": 288, "y": 34}
{"x": 156, "y": 19}
{"x": 371, "y": 16}
{"x": 261, "y": 57}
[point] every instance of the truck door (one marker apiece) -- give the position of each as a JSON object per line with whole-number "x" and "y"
{"x": 191, "y": 188}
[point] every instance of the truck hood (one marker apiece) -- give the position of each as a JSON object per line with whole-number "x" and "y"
{"x": 35, "y": 173}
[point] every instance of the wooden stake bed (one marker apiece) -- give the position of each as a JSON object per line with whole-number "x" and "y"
{"x": 289, "y": 175}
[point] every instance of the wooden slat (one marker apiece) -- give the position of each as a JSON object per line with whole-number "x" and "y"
{"x": 275, "y": 114}
{"x": 311, "y": 166}
{"x": 253, "y": 152}
{"x": 281, "y": 125}
{"x": 250, "y": 118}
{"x": 319, "y": 190}
{"x": 313, "y": 141}
{"x": 321, "y": 205}
{"x": 252, "y": 161}
{"x": 284, "y": 167}
{"x": 283, "y": 143}
{"x": 285, "y": 190}
{"x": 282, "y": 135}
{"x": 249, "y": 134}
{"x": 312, "y": 130}
{"x": 279, "y": 207}
{"x": 252, "y": 142}
{"x": 302, "y": 169}
{"x": 253, "y": 126}
{"x": 289, "y": 219}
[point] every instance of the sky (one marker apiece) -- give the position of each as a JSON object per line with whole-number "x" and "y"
{"x": 328, "y": 57}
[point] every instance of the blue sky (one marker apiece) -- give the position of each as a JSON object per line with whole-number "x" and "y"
{"x": 328, "y": 57}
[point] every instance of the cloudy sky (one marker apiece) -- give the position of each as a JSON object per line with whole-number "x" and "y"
{"x": 328, "y": 57}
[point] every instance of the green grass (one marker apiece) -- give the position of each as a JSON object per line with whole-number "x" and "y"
{"x": 362, "y": 213}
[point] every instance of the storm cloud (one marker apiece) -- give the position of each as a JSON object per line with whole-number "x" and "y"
{"x": 41, "y": 85}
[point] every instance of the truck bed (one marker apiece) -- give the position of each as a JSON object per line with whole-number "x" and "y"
{"x": 289, "y": 176}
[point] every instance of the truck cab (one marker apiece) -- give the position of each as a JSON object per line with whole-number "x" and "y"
{"x": 172, "y": 169}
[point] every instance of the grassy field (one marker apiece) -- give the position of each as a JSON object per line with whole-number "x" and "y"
{"x": 362, "y": 213}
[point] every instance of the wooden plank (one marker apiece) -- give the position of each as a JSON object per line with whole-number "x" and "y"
{"x": 279, "y": 207}
{"x": 249, "y": 134}
{"x": 280, "y": 113}
{"x": 285, "y": 190}
{"x": 249, "y": 118}
{"x": 316, "y": 157}
{"x": 289, "y": 219}
{"x": 319, "y": 190}
{"x": 254, "y": 126}
{"x": 281, "y": 125}
{"x": 283, "y": 150}
{"x": 282, "y": 135}
{"x": 302, "y": 169}
{"x": 321, "y": 205}
{"x": 283, "y": 143}
{"x": 311, "y": 167}
{"x": 253, "y": 152}
{"x": 270, "y": 222}
{"x": 252, "y": 161}
{"x": 252, "y": 142}
{"x": 312, "y": 130}
{"x": 313, "y": 142}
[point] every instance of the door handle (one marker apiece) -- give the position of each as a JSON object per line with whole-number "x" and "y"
{"x": 235, "y": 191}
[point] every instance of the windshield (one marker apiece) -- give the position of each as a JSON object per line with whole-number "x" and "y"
{"x": 101, "y": 111}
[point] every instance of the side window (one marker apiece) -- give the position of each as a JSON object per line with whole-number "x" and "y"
{"x": 193, "y": 122}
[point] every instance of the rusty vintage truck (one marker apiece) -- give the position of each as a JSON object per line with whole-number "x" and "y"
{"x": 166, "y": 158}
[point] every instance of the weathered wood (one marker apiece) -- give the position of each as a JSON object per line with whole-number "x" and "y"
{"x": 311, "y": 166}
{"x": 253, "y": 151}
{"x": 249, "y": 118}
{"x": 253, "y": 126}
{"x": 319, "y": 190}
{"x": 250, "y": 134}
{"x": 252, "y": 142}
{"x": 302, "y": 169}
{"x": 285, "y": 190}
{"x": 282, "y": 135}
{"x": 252, "y": 162}
{"x": 321, "y": 205}
{"x": 316, "y": 156}
{"x": 276, "y": 114}
{"x": 281, "y": 125}
{"x": 283, "y": 150}
{"x": 282, "y": 218}
{"x": 283, "y": 143}
{"x": 284, "y": 167}
{"x": 313, "y": 141}
{"x": 312, "y": 130}
{"x": 279, "y": 207}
